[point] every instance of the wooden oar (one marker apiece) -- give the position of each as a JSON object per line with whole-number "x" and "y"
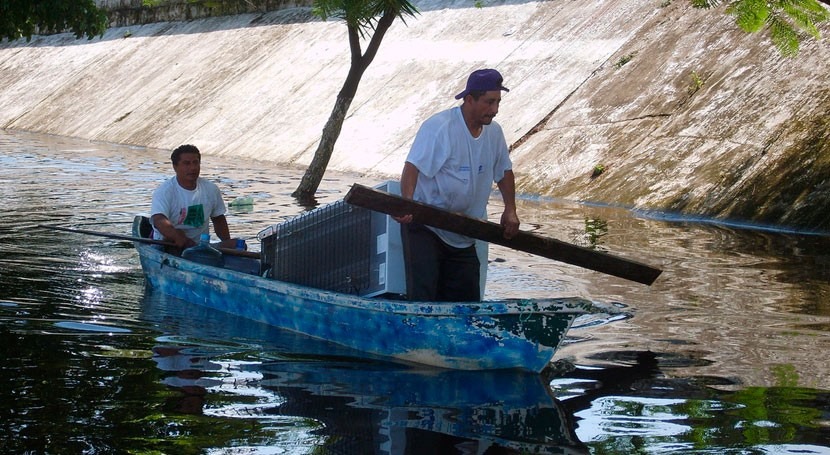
{"x": 228, "y": 251}
{"x": 381, "y": 201}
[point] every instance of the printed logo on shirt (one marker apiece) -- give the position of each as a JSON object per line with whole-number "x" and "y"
{"x": 480, "y": 168}
{"x": 195, "y": 216}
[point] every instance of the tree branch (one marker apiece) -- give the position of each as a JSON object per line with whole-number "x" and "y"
{"x": 380, "y": 30}
{"x": 354, "y": 43}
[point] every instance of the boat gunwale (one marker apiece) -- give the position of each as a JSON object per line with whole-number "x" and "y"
{"x": 491, "y": 308}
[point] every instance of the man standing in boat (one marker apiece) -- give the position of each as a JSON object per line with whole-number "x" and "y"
{"x": 183, "y": 204}
{"x": 456, "y": 156}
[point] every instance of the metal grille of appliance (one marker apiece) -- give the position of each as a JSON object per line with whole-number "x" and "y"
{"x": 329, "y": 248}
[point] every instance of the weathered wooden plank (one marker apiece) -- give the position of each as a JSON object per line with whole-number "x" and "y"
{"x": 488, "y": 231}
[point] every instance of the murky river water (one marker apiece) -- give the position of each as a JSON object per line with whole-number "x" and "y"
{"x": 726, "y": 353}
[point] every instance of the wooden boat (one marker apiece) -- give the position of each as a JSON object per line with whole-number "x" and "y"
{"x": 504, "y": 334}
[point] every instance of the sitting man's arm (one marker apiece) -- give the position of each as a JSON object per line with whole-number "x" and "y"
{"x": 220, "y": 227}
{"x": 170, "y": 233}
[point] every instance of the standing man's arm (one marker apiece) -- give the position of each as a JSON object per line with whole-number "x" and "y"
{"x": 409, "y": 179}
{"x": 509, "y": 218}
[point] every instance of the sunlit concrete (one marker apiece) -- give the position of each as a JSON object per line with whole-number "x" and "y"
{"x": 667, "y": 98}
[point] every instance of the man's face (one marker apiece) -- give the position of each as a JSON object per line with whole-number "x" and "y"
{"x": 486, "y": 107}
{"x": 187, "y": 170}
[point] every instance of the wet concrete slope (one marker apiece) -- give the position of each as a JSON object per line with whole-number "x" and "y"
{"x": 682, "y": 110}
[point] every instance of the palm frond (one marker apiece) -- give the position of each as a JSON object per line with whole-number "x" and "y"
{"x": 784, "y": 36}
{"x": 705, "y": 4}
{"x": 363, "y": 15}
{"x": 788, "y": 21}
{"x": 750, "y": 15}
{"x": 804, "y": 15}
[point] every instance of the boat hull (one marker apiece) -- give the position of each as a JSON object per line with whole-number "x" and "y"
{"x": 509, "y": 334}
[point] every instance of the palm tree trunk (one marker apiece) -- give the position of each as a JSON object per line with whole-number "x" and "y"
{"x": 331, "y": 131}
{"x": 317, "y": 168}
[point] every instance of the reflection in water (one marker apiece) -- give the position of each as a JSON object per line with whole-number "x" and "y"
{"x": 723, "y": 355}
{"x": 360, "y": 406}
{"x": 412, "y": 411}
{"x": 188, "y": 372}
{"x": 595, "y": 229}
{"x": 637, "y": 408}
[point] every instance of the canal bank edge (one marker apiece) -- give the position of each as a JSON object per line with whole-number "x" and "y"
{"x": 643, "y": 104}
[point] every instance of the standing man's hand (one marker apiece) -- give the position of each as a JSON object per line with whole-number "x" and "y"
{"x": 403, "y": 219}
{"x": 510, "y": 223}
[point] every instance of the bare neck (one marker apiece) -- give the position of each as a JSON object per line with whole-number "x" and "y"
{"x": 473, "y": 126}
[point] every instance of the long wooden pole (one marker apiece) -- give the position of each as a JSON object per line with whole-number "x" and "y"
{"x": 391, "y": 204}
{"x": 228, "y": 251}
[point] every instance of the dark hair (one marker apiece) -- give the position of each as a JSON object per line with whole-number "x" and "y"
{"x": 476, "y": 94}
{"x": 186, "y": 148}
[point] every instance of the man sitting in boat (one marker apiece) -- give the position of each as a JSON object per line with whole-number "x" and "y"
{"x": 183, "y": 204}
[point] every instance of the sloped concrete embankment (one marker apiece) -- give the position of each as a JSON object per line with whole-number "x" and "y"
{"x": 683, "y": 111}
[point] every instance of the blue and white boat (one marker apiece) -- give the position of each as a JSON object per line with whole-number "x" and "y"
{"x": 488, "y": 335}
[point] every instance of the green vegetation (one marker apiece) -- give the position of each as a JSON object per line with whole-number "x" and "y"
{"x": 786, "y": 20}
{"x": 24, "y": 18}
{"x": 697, "y": 83}
{"x": 624, "y": 59}
{"x": 598, "y": 170}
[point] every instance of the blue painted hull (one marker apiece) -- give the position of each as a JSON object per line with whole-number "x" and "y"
{"x": 510, "y": 334}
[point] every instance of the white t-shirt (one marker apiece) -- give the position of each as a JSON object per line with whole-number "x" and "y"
{"x": 457, "y": 170}
{"x": 188, "y": 210}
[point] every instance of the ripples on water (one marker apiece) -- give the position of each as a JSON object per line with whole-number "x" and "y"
{"x": 726, "y": 353}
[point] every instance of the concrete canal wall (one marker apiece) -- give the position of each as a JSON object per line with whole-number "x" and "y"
{"x": 682, "y": 110}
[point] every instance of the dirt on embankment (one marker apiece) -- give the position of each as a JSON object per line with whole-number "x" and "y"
{"x": 680, "y": 109}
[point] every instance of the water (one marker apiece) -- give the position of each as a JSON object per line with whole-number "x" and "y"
{"x": 726, "y": 353}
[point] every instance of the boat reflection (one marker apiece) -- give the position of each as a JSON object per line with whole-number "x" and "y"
{"x": 390, "y": 409}
{"x": 248, "y": 370}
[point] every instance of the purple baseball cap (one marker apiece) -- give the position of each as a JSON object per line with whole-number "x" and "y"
{"x": 484, "y": 81}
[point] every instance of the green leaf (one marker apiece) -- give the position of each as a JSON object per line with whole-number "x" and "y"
{"x": 363, "y": 14}
{"x": 784, "y": 37}
{"x": 750, "y": 15}
{"x": 805, "y": 15}
{"x": 705, "y": 4}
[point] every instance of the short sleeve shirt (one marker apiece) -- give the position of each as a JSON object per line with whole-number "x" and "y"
{"x": 188, "y": 210}
{"x": 457, "y": 170}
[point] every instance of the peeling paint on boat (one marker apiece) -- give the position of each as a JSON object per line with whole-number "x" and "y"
{"x": 521, "y": 334}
